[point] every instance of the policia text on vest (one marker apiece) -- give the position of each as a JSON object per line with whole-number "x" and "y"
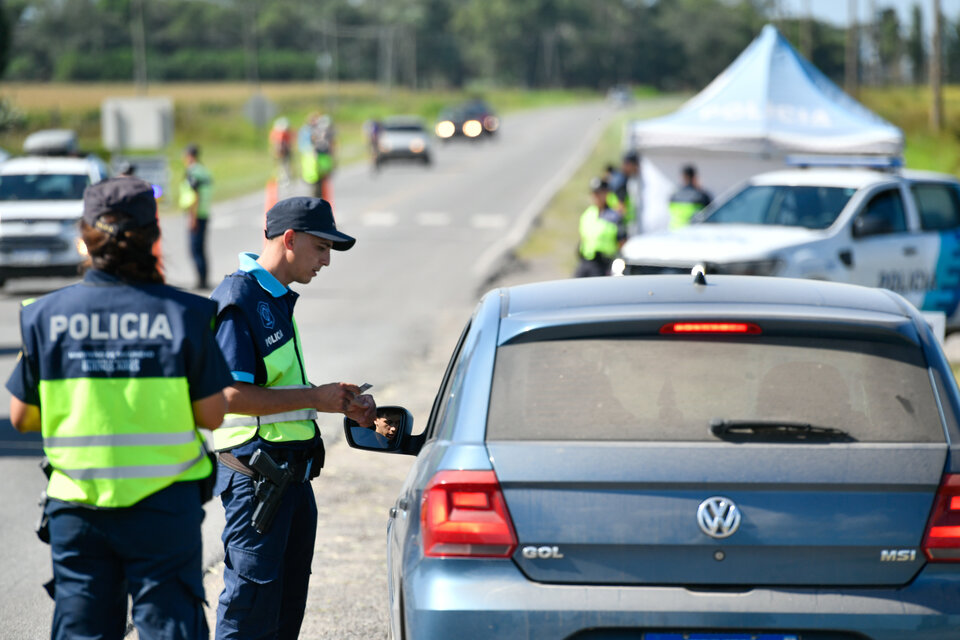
{"x": 116, "y": 373}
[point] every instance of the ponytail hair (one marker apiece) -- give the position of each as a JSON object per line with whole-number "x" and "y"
{"x": 127, "y": 253}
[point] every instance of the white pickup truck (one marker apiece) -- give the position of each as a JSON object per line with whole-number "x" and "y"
{"x": 41, "y": 201}
{"x": 884, "y": 228}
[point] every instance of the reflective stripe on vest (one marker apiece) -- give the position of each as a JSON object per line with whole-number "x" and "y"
{"x": 103, "y": 455}
{"x": 272, "y": 418}
{"x": 283, "y": 367}
{"x": 597, "y": 235}
{"x": 131, "y": 472}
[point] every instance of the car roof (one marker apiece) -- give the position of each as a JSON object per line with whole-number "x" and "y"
{"x": 842, "y": 177}
{"x": 46, "y": 164}
{"x": 672, "y": 296}
{"x": 403, "y": 121}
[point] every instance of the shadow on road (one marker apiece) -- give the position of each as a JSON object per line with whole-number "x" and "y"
{"x": 19, "y": 445}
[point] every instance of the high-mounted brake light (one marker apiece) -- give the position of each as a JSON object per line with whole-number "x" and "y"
{"x": 464, "y": 514}
{"x": 684, "y": 328}
{"x": 941, "y": 542}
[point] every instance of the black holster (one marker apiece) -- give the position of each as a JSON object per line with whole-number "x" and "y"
{"x": 207, "y": 484}
{"x": 319, "y": 455}
{"x": 43, "y": 524}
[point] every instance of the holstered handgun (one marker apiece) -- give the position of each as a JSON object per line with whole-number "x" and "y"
{"x": 43, "y": 524}
{"x": 268, "y": 489}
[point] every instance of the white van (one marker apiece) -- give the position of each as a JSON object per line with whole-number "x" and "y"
{"x": 884, "y": 228}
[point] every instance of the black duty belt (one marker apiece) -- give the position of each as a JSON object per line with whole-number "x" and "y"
{"x": 299, "y": 470}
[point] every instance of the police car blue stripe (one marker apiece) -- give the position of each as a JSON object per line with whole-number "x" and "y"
{"x": 946, "y": 295}
{"x": 122, "y": 440}
{"x": 115, "y": 473}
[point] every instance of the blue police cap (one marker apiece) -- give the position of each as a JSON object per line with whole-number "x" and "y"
{"x": 125, "y": 195}
{"x": 309, "y": 215}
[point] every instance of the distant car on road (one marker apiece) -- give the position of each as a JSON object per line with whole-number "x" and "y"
{"x": 669, "y": 458}
{"x": 41, "y": 202}
{"x": 882, "y": 228}
{"x": 473, "y": 120}
{"x": 403, "y": 138}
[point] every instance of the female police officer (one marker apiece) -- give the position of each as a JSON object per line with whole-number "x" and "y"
{"x": 115, "y": 372}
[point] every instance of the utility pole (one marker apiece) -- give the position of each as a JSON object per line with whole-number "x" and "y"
{"x": 936, "y": 108}
{"x": 250, "y": 43}
{"x": 852, "y": 50}
{"x": 806, "y": 34}
{"x": 139, "y": 40}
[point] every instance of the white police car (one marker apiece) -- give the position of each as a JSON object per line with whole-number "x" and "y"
{"x": 896, "y": 229}
{"x": 41, "y": 201}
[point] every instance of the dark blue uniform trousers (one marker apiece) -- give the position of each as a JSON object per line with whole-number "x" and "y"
{"x": 265, "y": 576}
{"x": 151, "y": 550}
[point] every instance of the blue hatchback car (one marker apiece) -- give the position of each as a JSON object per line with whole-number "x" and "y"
{"x": 674, "y": 458}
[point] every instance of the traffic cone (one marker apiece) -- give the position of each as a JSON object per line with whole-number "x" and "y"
{"x": 326, "y": 191}
{"x": 272, "y": 194}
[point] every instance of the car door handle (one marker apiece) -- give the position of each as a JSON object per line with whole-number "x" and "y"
{"x": 909, "y": 251}
{"x": 846, "y": 257}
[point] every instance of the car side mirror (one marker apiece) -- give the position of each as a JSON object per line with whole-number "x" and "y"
{"x": 392, "y": 432}
{"x": 870, "y": 224}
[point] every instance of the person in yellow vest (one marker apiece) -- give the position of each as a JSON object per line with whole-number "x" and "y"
{"x": 602, "y": 233}
{"x": 272, "y": 408}
{"x": 316, "y": 143}
{"x": 625, "y": 193}
{"x": 117, "y": 372}
{"x": 196, "y": 198}
{"x": 688, "y": 200}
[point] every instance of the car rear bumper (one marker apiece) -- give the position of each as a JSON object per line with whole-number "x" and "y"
{"x": 493, "y": 600}
{"x": 403, "y": 154}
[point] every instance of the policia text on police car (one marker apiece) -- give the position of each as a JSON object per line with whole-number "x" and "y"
{"x": 116, "y": 372}
{"x": 269, "y": 444}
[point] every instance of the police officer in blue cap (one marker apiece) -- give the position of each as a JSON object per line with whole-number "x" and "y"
{"x": 272, "y": 409}
{"x": 117, "y": 372}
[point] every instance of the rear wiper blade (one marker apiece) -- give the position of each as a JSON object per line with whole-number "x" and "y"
{"x": 776, "y": 428}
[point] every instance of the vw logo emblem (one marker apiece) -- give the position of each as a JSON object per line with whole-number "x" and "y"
{"x": 718, "y": 517}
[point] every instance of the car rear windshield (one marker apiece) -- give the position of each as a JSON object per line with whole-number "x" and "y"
{"x": 43, "y": 187}
{"x": 656, "y": 389}
{"x": 790, "y": 206}
{"x": 403, "y": 127}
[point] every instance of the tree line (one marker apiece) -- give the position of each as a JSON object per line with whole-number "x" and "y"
{"x": 666, "y": 44}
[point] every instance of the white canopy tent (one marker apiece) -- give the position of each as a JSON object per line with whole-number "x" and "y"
{"x": 768, "y": 104}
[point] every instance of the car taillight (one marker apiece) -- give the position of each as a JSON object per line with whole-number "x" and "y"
{"x": 464, "y": 514}
{"x": 684, "y": 328}
{"x": 941, "y": 542}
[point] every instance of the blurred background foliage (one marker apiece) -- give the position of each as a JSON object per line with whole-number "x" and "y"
{"x": 667, "y": 44}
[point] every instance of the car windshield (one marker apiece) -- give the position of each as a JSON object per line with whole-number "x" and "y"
{"x": 790, "y": 206}
{"x": 650, "y": 389}
{"x": 49, "y": 186}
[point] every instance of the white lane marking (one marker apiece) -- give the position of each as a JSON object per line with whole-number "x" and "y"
{"x": 433, "y": 219}
{"x": 379, "y": 219}
{"x": 488, "y": 221}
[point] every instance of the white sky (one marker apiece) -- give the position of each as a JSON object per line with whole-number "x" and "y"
{"x": 838, "y": 11}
